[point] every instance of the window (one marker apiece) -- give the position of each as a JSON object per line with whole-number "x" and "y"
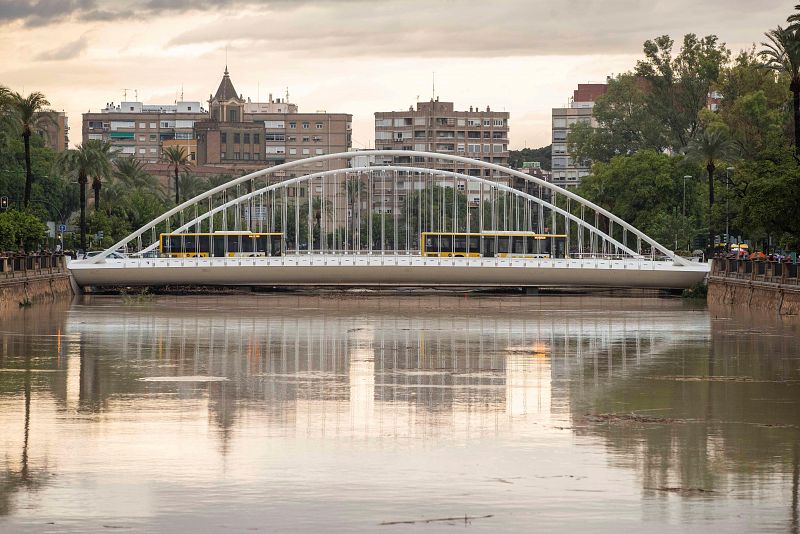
{"x": 497, "y": 148}
{"x": 223, "y": 137}
{"x": 153, "y": 137}
{"x": 256, "y": 139}
{"x": 499, "y": 122}
{"x": 222, "y": 155}
{"x": 152, "y": 125}
{"x": 93, "y": 136}
{"x": 319, "y": 151}
{"x": 237, "y": 155}
{"x": 487, "y": 135}
{"x": 305, "y": 125}
{"x": 167, "y": 124}
{"x": 184, "y": 124}
{"x": 559, "y": 122}
{"x": 306, "y": 139}
{"x": 141, "y": 151}
{"x": 247, "y": 138}
{"x": 559, "y": 135}
{"x": 473, "y": 135}
{"x": 237, "y": 138}
{"x": 275, "y": 124}
{"x": 384, "y": 135}
{"x": 319, "y": 126}
{"x": 487, "y": 148}
{"x": 233, "y": 116}
{"x": 184, "y": 135}
{"x": 306, "y": 152}
{"x": 487, "y": 122}
{"x": 461, "y": 147}
{"x": 498, "y": 135}
{"x": 142, "y": 125}
{"x": 246, "y": 155}
{"x": 141, "y": 139}
{"x": 383, "y": 122}
{"x": 154, "y": 150}
{"x": 292, "y": 124}
{"x": 271, "y": 137}
{"x": 292, "y": 151}
{"x": 473, "y": 148}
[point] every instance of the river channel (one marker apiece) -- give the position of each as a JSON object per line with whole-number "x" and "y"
{"x": 397, "y": 413}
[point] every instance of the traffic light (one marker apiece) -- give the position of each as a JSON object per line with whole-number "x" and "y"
{"x": 3, "y": 203}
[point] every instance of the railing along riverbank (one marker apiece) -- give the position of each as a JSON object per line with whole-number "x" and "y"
{"x": 758, "y": 285}
{"x": 28, "y": 278}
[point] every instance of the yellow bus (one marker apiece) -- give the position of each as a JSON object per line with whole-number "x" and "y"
{"x": 493, "y": 244}
{"x": 221, "y": 244}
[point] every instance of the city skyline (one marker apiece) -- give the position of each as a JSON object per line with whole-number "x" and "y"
{"x": 348, "y": 56}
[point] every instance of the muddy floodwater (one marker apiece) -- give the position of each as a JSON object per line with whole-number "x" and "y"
{"x": 397, "y": 413}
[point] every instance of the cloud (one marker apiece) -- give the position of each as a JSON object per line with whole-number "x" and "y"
{"x": 41, "y": 12}
{"x": 476, "y": 28}
{"x": 67, "y": 51}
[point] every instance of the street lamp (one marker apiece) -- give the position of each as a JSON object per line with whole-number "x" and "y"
{"x": 728, "y": 172}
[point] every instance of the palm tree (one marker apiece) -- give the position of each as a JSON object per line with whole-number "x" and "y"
{"x": 28, "y": 113}
{"x": 89, "y": 159}
{"x": 712, "y": 144}
{"x": 177, "y": 158}
{"x": 131, "y": 172}
{"x": 782, "y": 54}
{"x": 104, "y": 156}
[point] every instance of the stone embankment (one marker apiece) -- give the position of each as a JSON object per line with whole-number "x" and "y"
{"x": 758, "y": 286}
{"x": 32, "y": 278}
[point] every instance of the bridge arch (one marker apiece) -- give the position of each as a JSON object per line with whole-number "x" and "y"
{"x": 344, "y": 196}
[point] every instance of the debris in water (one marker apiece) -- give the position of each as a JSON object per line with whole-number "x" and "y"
{"x": 184, "y": 379}
{"x": 466, "y": 519}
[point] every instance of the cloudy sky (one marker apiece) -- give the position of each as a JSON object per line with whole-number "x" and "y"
{"x": 353, "y": 56}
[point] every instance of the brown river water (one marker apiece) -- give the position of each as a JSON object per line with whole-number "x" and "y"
{"x": 397, "y": 413}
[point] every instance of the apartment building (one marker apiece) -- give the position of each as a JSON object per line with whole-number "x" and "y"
{"x": 56, "y": 132}
{"x": 436, "y": 126}
{"x": 142, "y": 130}
{"x": 246, "y": 135}
{"x": 567, "y": 172}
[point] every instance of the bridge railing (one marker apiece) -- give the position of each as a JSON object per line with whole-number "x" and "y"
{"x": 26, "y": 265}
{"x": 771, "y": 272}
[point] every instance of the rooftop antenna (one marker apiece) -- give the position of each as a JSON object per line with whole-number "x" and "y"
{"x": 136, "y": 94}
{"x": 181, "y": 92}
{"x": 287, "y": 94}
{"x": 125, "y": 93}
{"x": 433, "y": 87}
{"x": 226, "y": 59}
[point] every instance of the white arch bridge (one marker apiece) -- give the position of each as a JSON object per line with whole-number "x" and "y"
{"x": 372, "y": 223}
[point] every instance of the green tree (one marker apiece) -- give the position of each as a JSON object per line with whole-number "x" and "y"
{"x": 178, "y": 159}
{"x": 20, "y": 229}
{"x": 27, "y": 113}
{"x": 543, "y": 155}
{"x": 678, "y": 87}
{"x": 625, "y": 124}
{"x": 781, "y": 53}
{"x": 132, "y": 173}
{"x": 89, "y": 159}
{"x": 646, "y": 190}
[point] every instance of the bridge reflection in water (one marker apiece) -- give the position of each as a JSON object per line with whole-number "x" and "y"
{"x": 465, "y": 377}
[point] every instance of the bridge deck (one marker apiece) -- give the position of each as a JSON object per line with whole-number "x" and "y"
{"x": 398, "y": 270}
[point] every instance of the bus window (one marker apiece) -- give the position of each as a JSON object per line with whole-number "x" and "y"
{"x": 431, "y": 243}
{"x": 519, "y": 244}
{"x": 446, "y": 243}
{"x": 460, "y": 243}
{"x": 474, "y": 244}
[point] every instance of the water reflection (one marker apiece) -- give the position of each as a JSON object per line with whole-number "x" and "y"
{"x": 498, "y": 376}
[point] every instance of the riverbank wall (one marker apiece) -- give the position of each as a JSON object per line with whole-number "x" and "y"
{"x": 26, "y": 280}
{"x": 758, "y": 286}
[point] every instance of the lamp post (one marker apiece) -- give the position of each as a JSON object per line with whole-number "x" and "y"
{"x": 728, "y": 172}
